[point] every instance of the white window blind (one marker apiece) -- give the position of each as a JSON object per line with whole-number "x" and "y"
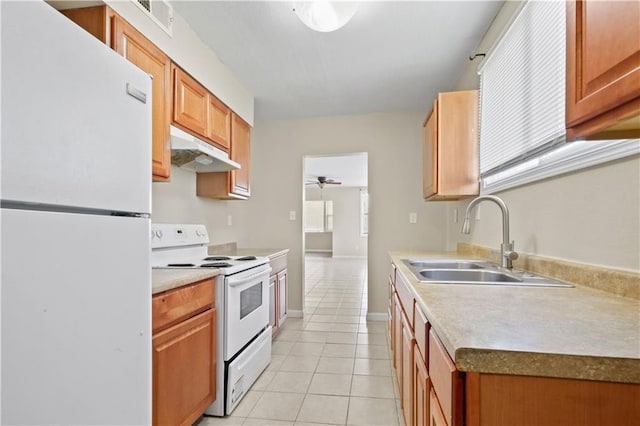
{"x": 522, "y": 87}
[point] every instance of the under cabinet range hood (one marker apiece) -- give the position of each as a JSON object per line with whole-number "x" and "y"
{"x": 193, "y": 154}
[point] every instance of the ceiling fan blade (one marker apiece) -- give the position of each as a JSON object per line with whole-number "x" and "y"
{"x": 333, "y": 182}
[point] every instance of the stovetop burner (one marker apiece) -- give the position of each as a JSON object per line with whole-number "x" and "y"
{"x": 215, "y": 265}
{"x": 217, "y": 258}
{"x": 246, "y": 258}
{"x": 180, "y": 265}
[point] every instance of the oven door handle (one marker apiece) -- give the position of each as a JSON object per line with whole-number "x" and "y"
{"x": 241, "y": 281}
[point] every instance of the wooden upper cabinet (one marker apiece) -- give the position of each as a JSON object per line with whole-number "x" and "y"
{"x": 219, "y": 123}
{"x": 603, "y": 69}
{"x": 138, "y": 50}
{"x": 190, "y": 102}
{"x": 111, "y": 29}
{"x": 233, "y": 185}
{"x": 96, "y": 20}
{"x": 450, "y": 147}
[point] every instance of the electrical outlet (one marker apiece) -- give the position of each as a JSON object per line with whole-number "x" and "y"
{"x": 229, "y": 220}
{"x": 292, "y": 215}
{"x": 455, "y": 215}
{"x": 413, "y": 217}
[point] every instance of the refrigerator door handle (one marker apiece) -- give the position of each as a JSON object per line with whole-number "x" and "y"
{"x": 136, "y": 93}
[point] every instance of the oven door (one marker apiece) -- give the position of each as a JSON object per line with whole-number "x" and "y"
{"x": 247, "y": 307}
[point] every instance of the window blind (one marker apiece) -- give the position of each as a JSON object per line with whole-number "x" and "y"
{"x": 522, "y": 88}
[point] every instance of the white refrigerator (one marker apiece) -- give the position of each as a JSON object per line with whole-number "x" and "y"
{"x": 74, "y": 226}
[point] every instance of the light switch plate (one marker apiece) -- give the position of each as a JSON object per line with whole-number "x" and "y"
{"x": 229, "y": 220}
{"x": 413, "y": 217}
{"x": 292, "y": 215}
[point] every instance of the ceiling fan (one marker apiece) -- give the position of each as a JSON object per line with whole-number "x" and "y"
{"x": 322, "y": 181}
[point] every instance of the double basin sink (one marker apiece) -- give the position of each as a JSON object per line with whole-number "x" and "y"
{"x": 459, "y": 271}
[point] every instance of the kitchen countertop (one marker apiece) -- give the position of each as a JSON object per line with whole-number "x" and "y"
{"x": 168, "y": 279}
{"x": 271, "y": 253}
{"x": 576, "y": 332}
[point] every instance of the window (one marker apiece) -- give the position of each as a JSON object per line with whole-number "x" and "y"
{"x": 522, "y": 105}
{"x": 318, "y": 216}
{"x": 364, "y": 212}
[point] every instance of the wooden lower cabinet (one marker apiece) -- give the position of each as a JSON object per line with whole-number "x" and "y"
{"x": 436, "y": 417}
{"x": 278, "y": 293}
{"x": 496, "y": 399}
{"x": 397, "y": 342}
{"x": 408, "y": 344}
{"x": 421, "y": 389}
{"x": 184, "y": 353}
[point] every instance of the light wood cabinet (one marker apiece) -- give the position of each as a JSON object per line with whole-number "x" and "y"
{"x": 408, "y": 343}
{"x": 199, "y": 112}
{"x": 603, "y": 69}
{"x": 446, "y": 381}
{"x": 114, "y": 31}
{"x": 283, "y": 303}
{"x": 219, "y": 123}
{"x": 450, "y": 147}
{"x": 190, "y": 103}
{"x": 279, "y": 293}
{"x": 138, "y": 50}
{"x": 184, "y": 353}
{"x": 420, "y": 390}
{"x": 235, "y": 184}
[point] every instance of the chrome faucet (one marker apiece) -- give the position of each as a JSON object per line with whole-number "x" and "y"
{"x": 507, "y": 254}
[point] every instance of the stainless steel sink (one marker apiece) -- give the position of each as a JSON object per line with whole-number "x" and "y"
{"x": 444, "y": 264}
{"x": 462, "y": 275}
{"x": 465, "y": 271}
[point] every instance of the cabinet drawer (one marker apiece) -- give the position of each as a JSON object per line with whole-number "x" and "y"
{"x": 406, "y": 297}
{"x": 446, "y": 381}
{"x": 177, "y": 305}
{"x": 421, "y": 330}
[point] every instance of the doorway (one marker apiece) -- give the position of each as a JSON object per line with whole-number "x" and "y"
{"x": 335, "y": 224}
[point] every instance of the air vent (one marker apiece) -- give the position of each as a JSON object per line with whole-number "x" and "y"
{"x": 160, "y": 12}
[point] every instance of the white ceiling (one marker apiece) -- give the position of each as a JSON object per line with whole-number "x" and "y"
{"x": 392, "y": 56}
{"x": 351, "y": 170}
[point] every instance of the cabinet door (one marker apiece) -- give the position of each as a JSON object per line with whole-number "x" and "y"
{"x": 240, "y": 153}
{"x": 190, "y": 102}
{"x": 408, "y": 343}
{"x": 272, "y": 302}
{"x": 397, "y": 354}
{"x": 219, "y": 123}
{"x": 603, "y": 64}
{"x": 184, "y": 370}
{"x": 420, "y": 390}
{"x": 430, "y": 155}
{"x": 138, "y": 50}
{"x": 436, "y": 418}
{"x": 283, "y": 305}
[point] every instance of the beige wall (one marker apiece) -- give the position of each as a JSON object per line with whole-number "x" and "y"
{"x": 590, "y": 216}
{"x": 318, "y": 241}
{"x": 176, "y": 202}
{"x": 346, "y": 238}
{"x": 393, "y": 144}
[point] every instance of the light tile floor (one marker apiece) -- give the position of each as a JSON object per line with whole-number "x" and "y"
{"x": 331, "y": 367}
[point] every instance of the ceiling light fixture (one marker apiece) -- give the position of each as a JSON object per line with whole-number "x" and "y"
{"x": 325, "y": 16}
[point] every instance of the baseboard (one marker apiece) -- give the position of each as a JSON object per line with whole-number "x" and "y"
{"x": 349, "y": 257}
{"x": 377, "y": 316}
{"x": 317, "y": 251}
{"x": 294, "y": 314}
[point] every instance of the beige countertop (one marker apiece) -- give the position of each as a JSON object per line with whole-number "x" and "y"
{"x": 167, "y": 279}
{"x": 271, "y": 253}
{"x": 574, "y": 332}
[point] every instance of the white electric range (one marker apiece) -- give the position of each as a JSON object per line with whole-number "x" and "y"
{"x": 242, "y": 304}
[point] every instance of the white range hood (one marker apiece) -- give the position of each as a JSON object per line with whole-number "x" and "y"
{"x": 194, "y": 154}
